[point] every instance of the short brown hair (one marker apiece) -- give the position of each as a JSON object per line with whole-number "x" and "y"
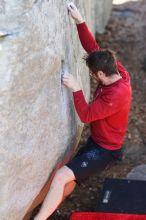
{"x": 103, "y": 60}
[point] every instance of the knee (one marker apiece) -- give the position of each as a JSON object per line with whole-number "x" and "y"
{"x": 64, "y": 175}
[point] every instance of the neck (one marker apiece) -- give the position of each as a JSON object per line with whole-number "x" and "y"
{"x": 111, "y": 79}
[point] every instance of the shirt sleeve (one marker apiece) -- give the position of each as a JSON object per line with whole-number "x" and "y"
{"x": 102, "y": 107}
{"x": 87, "y": 39}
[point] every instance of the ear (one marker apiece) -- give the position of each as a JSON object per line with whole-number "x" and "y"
{"x": 100, "y": 74}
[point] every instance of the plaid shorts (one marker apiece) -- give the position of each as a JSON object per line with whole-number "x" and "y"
{"x": 92, "y": 159}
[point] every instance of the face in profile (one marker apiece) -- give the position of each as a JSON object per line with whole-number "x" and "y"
{"x": 96, "y": 76}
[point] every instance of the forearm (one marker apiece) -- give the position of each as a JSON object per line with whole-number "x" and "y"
{"x": 86, "y": 38}
{"x": 96, "y": 110}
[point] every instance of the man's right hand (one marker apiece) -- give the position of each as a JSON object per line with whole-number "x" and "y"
{"x": 75, "y": 13}
{"x": 69, "y": 81}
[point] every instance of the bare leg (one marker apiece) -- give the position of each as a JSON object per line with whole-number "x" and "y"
{"x": 69, "y": 187}
{"x": 56, "y": 192}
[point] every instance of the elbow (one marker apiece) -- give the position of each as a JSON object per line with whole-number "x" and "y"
{"x": 85, "y": 117}
{"x": 85, "y": 120}
{"x": 88, "y": 120}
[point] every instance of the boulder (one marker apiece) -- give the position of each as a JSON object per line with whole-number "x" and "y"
{"x": 138, "y": 173}
{"x": 39, "y": 127}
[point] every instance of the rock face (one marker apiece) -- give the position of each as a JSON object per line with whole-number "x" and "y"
{"x": 102, "y": 10}
{"x": 38, "y": 43}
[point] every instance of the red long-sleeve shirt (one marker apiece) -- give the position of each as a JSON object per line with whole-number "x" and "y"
{"x": 108, "y": 113}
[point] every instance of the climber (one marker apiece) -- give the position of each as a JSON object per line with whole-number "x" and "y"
{"x": 107, "y": 115}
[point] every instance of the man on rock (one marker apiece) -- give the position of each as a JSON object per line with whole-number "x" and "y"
{"x": 107, "y": 115}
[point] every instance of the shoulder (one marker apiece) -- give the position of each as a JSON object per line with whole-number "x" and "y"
{"x": 123, "y": 72}
{"x": 119, "y": 92}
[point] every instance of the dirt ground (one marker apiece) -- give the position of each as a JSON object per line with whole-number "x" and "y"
{"x": 125, "y": 34}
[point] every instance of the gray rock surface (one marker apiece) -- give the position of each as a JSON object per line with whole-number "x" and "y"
{"x": 38, "y": 124}
{"x": 102, "y": 14}
{"x": 138, "y": 173}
